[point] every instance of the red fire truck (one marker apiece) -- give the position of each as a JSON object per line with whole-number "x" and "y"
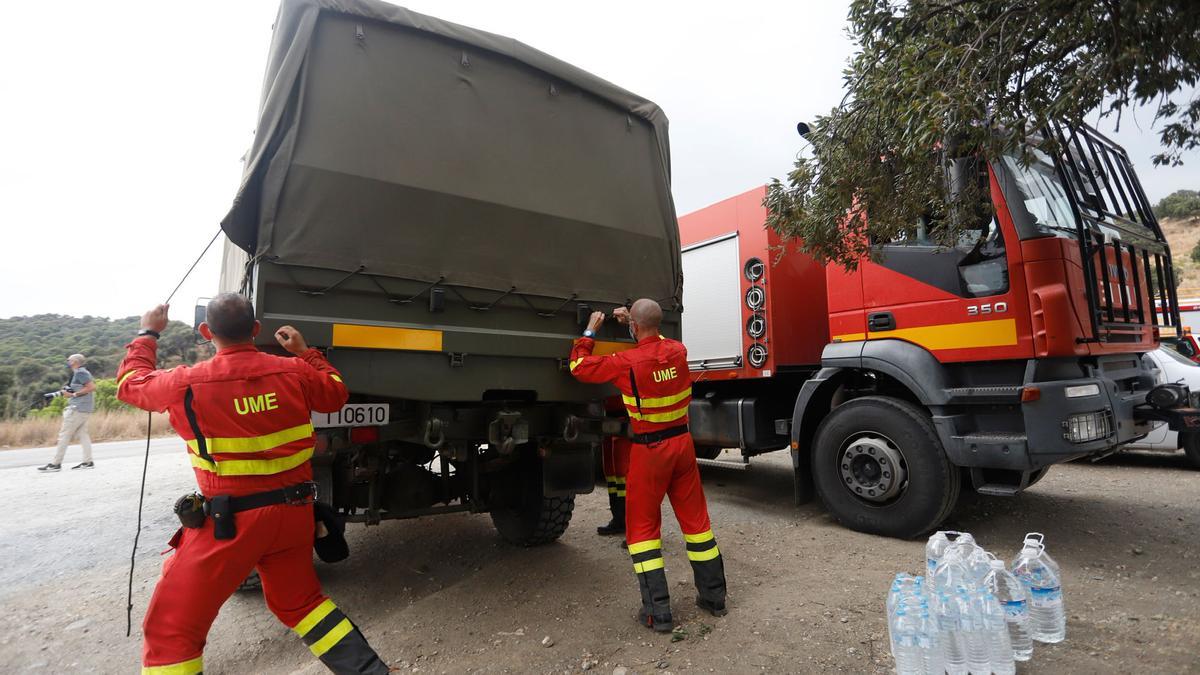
{"x": 932, "y": 367}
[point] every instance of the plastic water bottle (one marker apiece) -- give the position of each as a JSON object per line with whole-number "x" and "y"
{"x": 1000, "y": 651}
{"x": 1040, "y": 574}
{"x": 937, "y": 545}
{"x": 906, "y": 647}
{"x": 931, "y": 647}
{"x": 951, "y": 574}
{"x": 979, "y": 655}
{"x": 1013, "y": 599}
{"x": 950, "y": 634}
{"x": 979, "y": 563}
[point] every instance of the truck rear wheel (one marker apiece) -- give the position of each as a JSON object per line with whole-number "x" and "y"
{"x": 708, "y": 451}
{"x": 879, "y": 467}
{"x": 1190, "y": 443}
{"x": 523, "y": 515}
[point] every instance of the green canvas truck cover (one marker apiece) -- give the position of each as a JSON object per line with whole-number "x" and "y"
{"x": 420, "y": 149}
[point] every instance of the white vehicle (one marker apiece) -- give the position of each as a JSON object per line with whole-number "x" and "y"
{"x": 1169, "y": 365}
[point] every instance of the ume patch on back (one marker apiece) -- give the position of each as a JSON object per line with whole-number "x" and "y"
{"x": 255, "y": 404}
{"x": 666, "y": 374}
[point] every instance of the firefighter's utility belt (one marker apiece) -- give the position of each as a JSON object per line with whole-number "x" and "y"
{"x": 659, "y": 436}
{"x": 194, "y": 508}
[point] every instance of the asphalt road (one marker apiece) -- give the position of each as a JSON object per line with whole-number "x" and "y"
{"x": 445, "y": 595}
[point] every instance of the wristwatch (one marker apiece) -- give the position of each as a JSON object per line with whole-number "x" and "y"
{"x": 589, "y": 333}
{"x": 146, "y": 331}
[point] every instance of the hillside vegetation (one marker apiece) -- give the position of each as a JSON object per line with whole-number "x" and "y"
{"x": 1179, "y": 216}
{"x": 34, "y": 350}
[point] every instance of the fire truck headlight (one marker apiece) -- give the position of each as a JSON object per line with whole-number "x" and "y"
{"x": 1084, "y": 427}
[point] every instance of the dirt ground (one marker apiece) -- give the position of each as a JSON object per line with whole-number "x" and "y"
{"x": 444, "y": 595}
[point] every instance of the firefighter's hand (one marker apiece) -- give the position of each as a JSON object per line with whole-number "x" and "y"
{"x": 621, "y": 314}
{"x": 156, "y": 319}
{"x": 290, "y": 339}
{"x": 595, "y": 322}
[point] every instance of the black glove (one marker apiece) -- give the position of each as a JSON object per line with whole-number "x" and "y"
{"x": 332, "y": 547}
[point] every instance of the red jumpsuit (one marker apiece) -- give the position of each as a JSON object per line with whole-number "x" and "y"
{"x": 614, "y": 456}
{"x": 254, "y": 414}
{"x": 656, "y": 389}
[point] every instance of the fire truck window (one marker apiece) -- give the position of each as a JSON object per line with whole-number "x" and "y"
{"x": 1040, "y": 206}
{"x": 974, "y": 266}
{"x": 984, "y": 268}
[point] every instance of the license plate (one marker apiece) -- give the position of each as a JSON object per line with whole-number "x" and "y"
{"x": 353, "y": 415}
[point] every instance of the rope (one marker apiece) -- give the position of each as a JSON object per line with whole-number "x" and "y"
{"x": 146, "y": 460}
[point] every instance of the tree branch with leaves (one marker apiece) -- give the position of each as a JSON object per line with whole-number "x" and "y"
{"x": 935, "y": 79}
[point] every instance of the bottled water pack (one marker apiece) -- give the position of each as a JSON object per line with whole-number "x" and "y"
{"x": 969, "y": 614}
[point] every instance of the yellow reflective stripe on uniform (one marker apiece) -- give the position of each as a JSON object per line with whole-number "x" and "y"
{"x": 335, "y": 377}
{"x": 704, "y": 536}
{"x": 331, "y": 638}
{"x": 701, "y": 556}
{"x": 252, "y": 467}
{"x": 576, "y": 362}
{"x": 126, "y": 376}
{"x": 643, "y": 546}
{"x": 192, "y": 667}
{"x": 620, "y": 493}
{"x": 649, "y": 565}
{"x": 661, "y": 402}
{"x": 658, "y": 417}
{"x": 314, "y": 617}
{"x": 620, "y": 480}
{"x": 256, "y": 443}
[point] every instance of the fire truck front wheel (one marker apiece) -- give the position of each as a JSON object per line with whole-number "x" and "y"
{"x": 879, "y": 467}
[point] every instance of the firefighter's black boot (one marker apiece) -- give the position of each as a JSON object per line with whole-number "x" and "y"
{"x": 616, "y": 504}
{"x": 709, "y": 572}
{"x": 652, "y": 581}
{"x": 340, "y": 645}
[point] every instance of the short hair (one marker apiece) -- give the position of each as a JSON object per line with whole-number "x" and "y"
{"x": 230, "y": 316}
{"x": 77, "y": 358}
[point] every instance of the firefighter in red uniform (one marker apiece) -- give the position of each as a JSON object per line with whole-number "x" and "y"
{"x": 614, "y": 456}
{"x": 245, "y": 417}
{"x": 656, "y": 389}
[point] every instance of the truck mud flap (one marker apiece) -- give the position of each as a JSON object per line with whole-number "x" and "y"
{"x": 568, "y": 469}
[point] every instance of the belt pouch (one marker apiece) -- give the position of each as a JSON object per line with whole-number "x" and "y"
{"x": 221, "y": 511}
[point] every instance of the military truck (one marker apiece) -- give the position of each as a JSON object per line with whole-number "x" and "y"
{"x": 439, "y": 209}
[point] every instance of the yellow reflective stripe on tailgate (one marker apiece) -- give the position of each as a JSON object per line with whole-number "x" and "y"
{"x": 256, "y": 443}
{"x": 331, "y": 638}
{"x": 252, "y": 467}
{"x": 660, "y": 402}
{"x": 658, "y": 417}
{"x": 385, "y": 337}
{"x": 192, "y": 667}
{"x": 314, "y": 617}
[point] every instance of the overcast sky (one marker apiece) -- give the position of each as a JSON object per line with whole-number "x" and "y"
{"x": 122, "y": 124}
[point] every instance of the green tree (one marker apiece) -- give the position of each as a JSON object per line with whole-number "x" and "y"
{"x": 1179, "y": 204}
{"x": 975, "y": 77}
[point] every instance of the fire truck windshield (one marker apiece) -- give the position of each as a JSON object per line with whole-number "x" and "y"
{"x": 1036, "y": 197}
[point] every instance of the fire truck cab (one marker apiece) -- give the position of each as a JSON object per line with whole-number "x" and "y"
{"x": 930, "y": 367}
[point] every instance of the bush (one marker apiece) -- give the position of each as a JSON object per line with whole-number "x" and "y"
{"x": 1196, "y": 252}
{"x": 1179, "y": 204}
